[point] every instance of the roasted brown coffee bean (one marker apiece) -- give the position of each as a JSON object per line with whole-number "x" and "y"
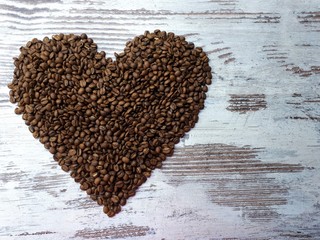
{"x": 125, "y": 160}
{"x": 110, "y": 123}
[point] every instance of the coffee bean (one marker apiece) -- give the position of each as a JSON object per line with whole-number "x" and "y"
{"x": 125, "y": 160}
{"x": 110, "y": 123}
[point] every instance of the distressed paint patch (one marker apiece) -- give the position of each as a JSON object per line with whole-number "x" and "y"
{"x": 244, "y": 103}
{"x": 234, "y": 177}
{"x": 122, "y": 231}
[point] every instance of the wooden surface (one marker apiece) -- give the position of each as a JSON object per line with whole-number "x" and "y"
{"x": 250, "y": 168}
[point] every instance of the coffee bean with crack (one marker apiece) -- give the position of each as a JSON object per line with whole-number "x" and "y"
{"x": 110, "y": 123}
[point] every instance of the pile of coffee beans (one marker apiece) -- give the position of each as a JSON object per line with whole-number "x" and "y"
{"x": 110, "y": 123}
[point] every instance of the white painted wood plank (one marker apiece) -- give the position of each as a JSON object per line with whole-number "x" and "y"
{"x": 255, "y": 174}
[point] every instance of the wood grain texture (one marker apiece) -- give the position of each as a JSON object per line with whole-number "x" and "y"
{"x": 248, "y": 170}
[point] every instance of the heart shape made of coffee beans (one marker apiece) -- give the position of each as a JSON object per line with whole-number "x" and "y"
{"x": 110, "y": 123}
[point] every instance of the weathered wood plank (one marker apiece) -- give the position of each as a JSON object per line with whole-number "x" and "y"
{"x": 250, "y": 168}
